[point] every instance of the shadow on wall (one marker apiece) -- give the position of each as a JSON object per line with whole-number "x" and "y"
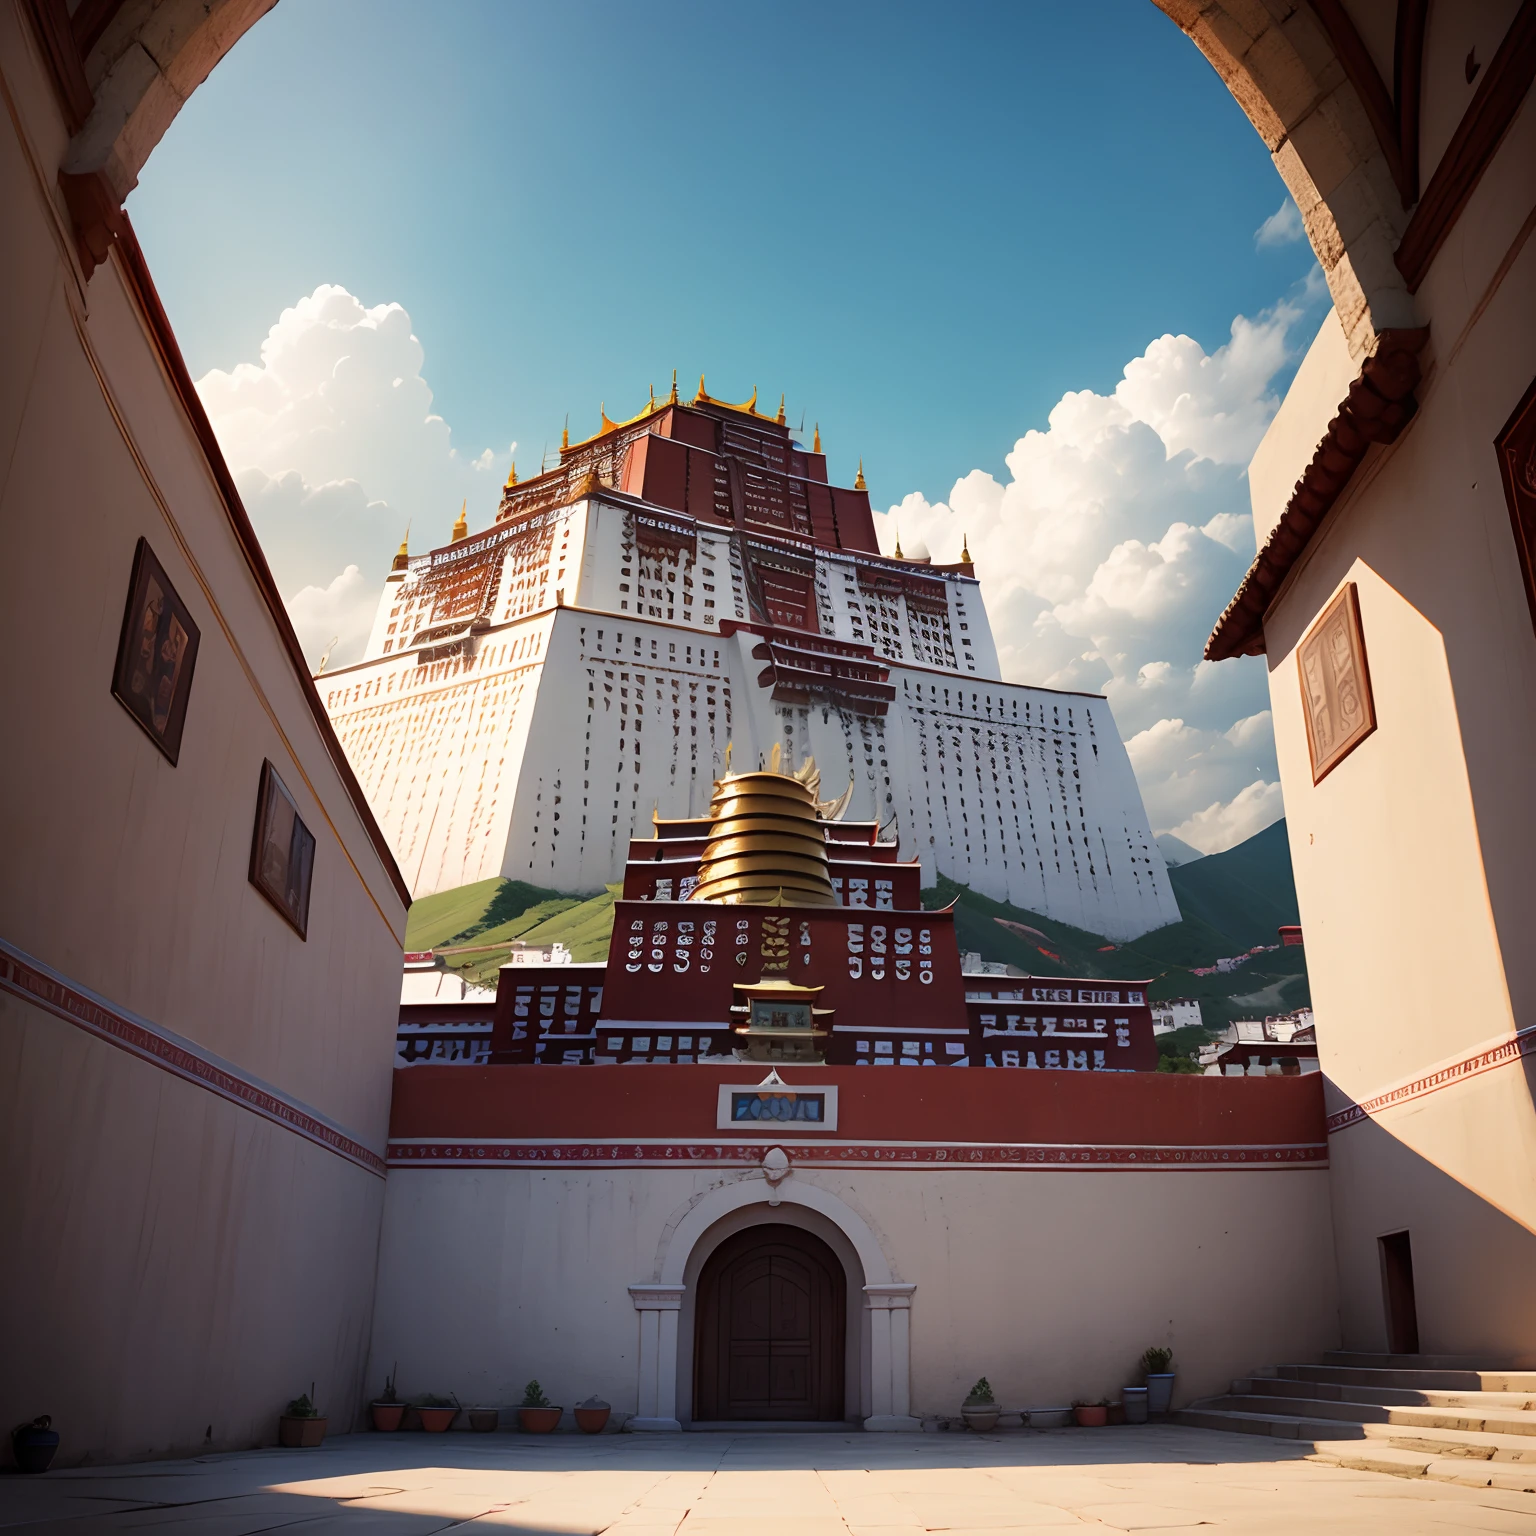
{"x": 1471, "y": 1256}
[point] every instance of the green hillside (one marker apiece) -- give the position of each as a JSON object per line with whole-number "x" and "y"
{"x": 1230, "y": 901}
{"x": 1246, "y": 892}
{"x": 473, "y": 918}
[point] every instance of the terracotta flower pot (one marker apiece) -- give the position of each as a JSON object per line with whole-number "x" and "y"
{"x": 590, "y": 1421}
{"x": 295, "y": 1432}
{"x": 1091, "y": 1415}
{"x": 538, "y": 1421}
{"x": 386, "y": 1416}
{"x": 436, "y": 1420}
{"x": 484, "y": 1420}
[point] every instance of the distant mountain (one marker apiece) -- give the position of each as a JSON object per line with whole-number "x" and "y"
{"x": 1176, "y": 850}
{"x": 1230, "y": 902}
{"x": 1246, "y": 893}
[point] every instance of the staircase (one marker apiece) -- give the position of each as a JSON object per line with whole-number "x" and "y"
{"x": 1447, "y": 1417}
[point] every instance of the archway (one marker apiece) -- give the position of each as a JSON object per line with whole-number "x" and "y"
{"x": 769, "y": 1329}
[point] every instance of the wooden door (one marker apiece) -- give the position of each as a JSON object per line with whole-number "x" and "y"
{"x": 769, "y": 1329}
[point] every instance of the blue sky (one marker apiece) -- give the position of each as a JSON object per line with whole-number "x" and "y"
{"x": 927, "y": 225}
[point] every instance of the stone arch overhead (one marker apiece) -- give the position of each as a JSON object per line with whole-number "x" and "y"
{"x": 1283, "y": 70}
{"x": 683, "y": 1231}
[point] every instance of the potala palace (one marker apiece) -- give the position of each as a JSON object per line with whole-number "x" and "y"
{"x": 687, "y": 583}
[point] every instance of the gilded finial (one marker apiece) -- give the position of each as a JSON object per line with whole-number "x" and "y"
{"x": 461, "y": 526}
{"x": 858, "y": 479}
{"x": 511, "y": 477}
{"x": 780, "y": 417}
{"x": 672, "y": 398}
{"x": 403, "y": 554}
{"x": 965, "y": 549}
{"x": 899, "y": 554}
{"x": 701, "y": 394}
{"x": 651, "y": 404}
{"x": 565, "y": 432}
{"x": 816, "y": 444}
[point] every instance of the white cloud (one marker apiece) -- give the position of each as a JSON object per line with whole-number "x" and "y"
{"x": 1282, "y": 227}
{"x": 1120, "y": 536}
{"x": 1221, "y": 826}
{"x": 334, "y": 618}
{"x": 335, "y": 447}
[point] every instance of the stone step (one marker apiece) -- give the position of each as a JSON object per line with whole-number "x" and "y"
{"x": 1501, "y": 1421}
{"x": 1349, "y": 1357}
{"x": 1279, "y": 1425}
{"x": 1471, "y": 1445}
{"x": 1437, "y": 1380}
{"x": 1373, "y": 1456}
{"x": 1284, "y": 1387}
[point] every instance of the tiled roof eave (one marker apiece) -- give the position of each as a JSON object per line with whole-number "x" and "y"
{"x": 1380, "y": 403}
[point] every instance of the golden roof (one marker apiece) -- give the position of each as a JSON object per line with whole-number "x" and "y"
{"x": 766, "y": 844}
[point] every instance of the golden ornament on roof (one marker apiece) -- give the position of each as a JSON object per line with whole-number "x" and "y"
{"x": 511, "y": 477}
{"x": 766, "y": 845}
{"x": 858, "y": 479}
{"x": 461, "y": 526}
{"x": 816, "y": 444}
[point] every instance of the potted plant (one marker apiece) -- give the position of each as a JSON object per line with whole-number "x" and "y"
{"x": 34, "y": 1444}
{"x": 1157, "y": 1363}
{"x": 592, "y": 1415}
{"x": 436, "y": 1413}
{"x": 301, "y": 1424}
{"x": 537, "y": 1415}
{"x": 1134, "y": 1400}
{"x": 1090, "y": 1415}
{"x": 386, "y": 1408}
{"x": 484, "y": 1420}
{"x": 980, "y": 1410}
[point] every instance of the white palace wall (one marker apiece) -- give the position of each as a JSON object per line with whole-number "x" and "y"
{"x": 540, "y": 753}
{"x": 1049, "y": 1282}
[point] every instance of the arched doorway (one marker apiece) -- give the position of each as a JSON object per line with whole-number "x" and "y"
{"x": 769, "y": 1329}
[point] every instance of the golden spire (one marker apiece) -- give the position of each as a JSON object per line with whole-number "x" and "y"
{"x": 965, "y": 550}
{"x": 461, "y": 527}
{"x": 816, "y": 445}
{"x": 780, "y": 417}
{"x": 403, "y": 554}
{"x": 565, "y": 433}
{"x": 672, "y": 398}
{"x": 701, "y": 395}
{"x": 858, "y": 479}
{"x": 651, "y": 405}
{"x": 899, "y": 554}
{"x": 511, "y": 477}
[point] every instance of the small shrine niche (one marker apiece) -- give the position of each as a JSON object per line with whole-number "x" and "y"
{"x": 779, "y": 1021}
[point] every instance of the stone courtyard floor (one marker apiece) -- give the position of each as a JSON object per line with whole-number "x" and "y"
{"x": 1160, "y": 1478}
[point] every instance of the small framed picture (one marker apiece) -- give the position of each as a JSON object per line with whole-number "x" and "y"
{"x": 282, "y": 851}
{"x": 1335, "y": 684}
{"x": 156, "y": 653}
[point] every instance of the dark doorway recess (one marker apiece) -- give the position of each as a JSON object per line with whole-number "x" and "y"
{"x": 771, "y": 1317}
{"x": 1397, "y": 1288}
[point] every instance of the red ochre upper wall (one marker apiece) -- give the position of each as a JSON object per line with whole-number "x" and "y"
{"x": 1056, "y": 1108}
{"x": 715, "y": 462}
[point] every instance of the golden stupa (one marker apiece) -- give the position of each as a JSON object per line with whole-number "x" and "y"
{"x": 766, "y": 843}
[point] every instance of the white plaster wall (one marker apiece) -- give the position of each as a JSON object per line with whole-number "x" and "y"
{"x": 1413, "y": 856}
{"x": 1049, "y": 1283}
{"x": 154, "y": 1235}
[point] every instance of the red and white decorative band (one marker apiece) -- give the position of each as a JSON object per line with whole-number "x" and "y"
{"x": 426, "y": 1153}
{"x": 1484, "y": 1059}
{"x": 45, "y": 988}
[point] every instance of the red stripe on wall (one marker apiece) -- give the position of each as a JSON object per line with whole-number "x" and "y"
{"x": 948, "y": 1105}
{"x": 44, "y": 988}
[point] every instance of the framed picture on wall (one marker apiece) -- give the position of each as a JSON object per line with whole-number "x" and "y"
{"x": 1335, "y": 684}
{"x": 282, "y": 851}
{"x": 156, "y": 653}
